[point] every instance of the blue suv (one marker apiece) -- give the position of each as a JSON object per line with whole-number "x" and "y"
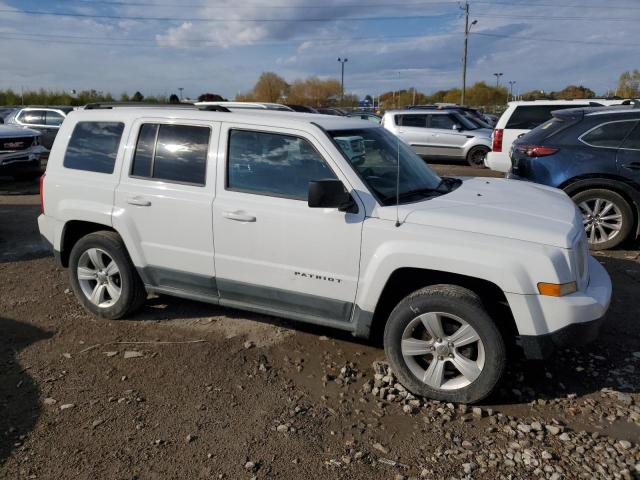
{"x": 593, "y": 154}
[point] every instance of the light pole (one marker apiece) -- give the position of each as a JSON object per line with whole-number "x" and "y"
{"x": 498, "y": 75}
{"x": 467, "y": 29}
{"x": 511, "y": 84}
{"x": 180, "y": 89}
{"x": 342, "y": 62}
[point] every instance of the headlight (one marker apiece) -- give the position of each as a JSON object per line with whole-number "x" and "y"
{"x": 557, "y": 289}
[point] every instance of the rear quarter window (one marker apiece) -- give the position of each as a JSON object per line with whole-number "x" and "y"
{"x": 608, "y": 135}
{"x": 528, "y": 117}
{"x": 93, "y": 146}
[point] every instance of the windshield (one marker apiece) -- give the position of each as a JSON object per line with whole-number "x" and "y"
{"x": 374, "y": 152}
{"x": 476, "y": 120}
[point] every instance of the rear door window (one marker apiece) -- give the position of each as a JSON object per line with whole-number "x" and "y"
{"x": 443, "y": 122}
{"x": 93, "y": 146}
{"x": 528, "y": 117}
{"x": 173, "y": 153}
{"x": 413, "y": 121}
{"x": 608, "y": 135}
{"x": 53, "y": 119}
{"x": 32, "y": 117}
{"x": 632, "y": 142}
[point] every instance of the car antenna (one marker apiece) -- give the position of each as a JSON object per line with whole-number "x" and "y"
{"x": 398, "y": 182}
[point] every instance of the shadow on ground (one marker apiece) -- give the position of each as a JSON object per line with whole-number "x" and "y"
{"x": 19, "y": 394}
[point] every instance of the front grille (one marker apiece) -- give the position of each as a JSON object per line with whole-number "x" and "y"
{"x": 17, "y": 143}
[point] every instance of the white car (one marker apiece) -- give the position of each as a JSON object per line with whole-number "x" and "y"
{"x": 520, "y": 117}
{"x": 441, "y": 134}
{"x": 308, "y": 217}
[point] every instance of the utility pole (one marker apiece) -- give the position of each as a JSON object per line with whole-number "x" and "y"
{"x": 342, "y": 62}
{"x": 498, "y": 75}
{"x": 180, "y": 89}
{"x": 467, "y": 29}
{"x": 511, "y": 84}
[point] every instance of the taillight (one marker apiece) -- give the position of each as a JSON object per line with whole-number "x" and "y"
{"x": 42, "y": 193}
{"x": 533, "y": 151}
{"x": 497, "y": 140}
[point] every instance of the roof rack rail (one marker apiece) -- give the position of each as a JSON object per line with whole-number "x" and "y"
{"x": 111, "y": 105}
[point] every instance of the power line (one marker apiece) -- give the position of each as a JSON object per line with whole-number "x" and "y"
{"x": 260, "y": 5}
{"x": 550, "y": 17}
{"x": 221, "y": 20}
{"x": 555, "y": 5}
{"x": 557, "y": 40}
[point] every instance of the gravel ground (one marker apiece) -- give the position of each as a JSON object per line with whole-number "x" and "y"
{"x": 187, "y": 390}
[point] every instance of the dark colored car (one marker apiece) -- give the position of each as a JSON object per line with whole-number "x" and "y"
{"x": 593, "y": 154}
{"x": 302, "y": 108}
{"x": 372, "y": 117}
{"x": 5, "y": 112}
{"x": 46, "y": 120}
{"x": 20, "y": 152}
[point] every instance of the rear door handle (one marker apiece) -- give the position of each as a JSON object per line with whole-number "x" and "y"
{"x": 239, "y": 216}
{"x": 138, "y": 201}
{"x": 632, "y": 165}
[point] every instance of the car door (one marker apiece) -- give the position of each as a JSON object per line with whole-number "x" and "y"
{"x": 447, "y": 141}
{"x": 163, "y": 204}
{"x": 52, "y": 121}
{"x": 413, "y": 130}
{"x": 274, "y": 253}
{"x": 628, "y": 156}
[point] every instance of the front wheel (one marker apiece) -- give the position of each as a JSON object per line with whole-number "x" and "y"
{"x": 607, "y": 217}
{"x": 103, "y": 277}
{"x": 442, "y": 344}
{"x": 476, "y": 156}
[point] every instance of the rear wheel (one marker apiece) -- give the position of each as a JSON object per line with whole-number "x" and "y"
{"x": 476, "y": 156}
{"x": 442, "y": 344}
{"x": 607, "y": 217}
{"x": 103, "y": 277}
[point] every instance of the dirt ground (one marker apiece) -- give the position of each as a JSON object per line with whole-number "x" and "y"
{"x": 188, "y": 390}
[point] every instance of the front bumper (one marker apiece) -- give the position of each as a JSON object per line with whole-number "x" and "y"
{"x": 558, "y": 322}
{"x": 24, "y": 161}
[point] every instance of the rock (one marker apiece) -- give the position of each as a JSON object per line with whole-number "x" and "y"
{"x": 96, "y": 423}
{"x": 250, "y": 466}
{"x": 380, "y": 448}
{"x": 409, "y": 409}
{"x": 191, "y": 437}
{"x": 564, "y": 437}
{"x": 625, "y": 398}
{"x": 248, "y": 344}
{"x": 323, "y": 338}
{"x": 624, "y": 444}
{"x": 524, "y": 428}
{"x": 283, "y": 427}
{"x": 477, "y": 412}
{"x": 66, "y": 355}
{"x": 553, "y": 429}
{"x": 133, "y": 354}
{"x": 111, "y": 354}
{"x": 67, "y": 406}
{"x": 537, "y": 426}
{"x": 468, "y": 467}
{"x": 50, "y": 401}
{"x": 546, "y": 455}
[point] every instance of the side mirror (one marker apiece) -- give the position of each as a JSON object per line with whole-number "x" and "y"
{"x": 331, "y": 194}
{"x": 459, "y": 128}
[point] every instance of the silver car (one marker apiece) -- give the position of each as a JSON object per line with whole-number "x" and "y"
{"x": 441, "y": 134}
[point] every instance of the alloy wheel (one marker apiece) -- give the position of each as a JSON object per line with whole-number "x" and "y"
{"x": 443, "y": 351}
{"x": 602, "y": 219}
{"x": 99, "y": 277}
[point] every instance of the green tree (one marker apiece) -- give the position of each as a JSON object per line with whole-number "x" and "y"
{"x": 571, "y": 92}
{"x": 137, "y": 97}
{"x": 629, "y": 84}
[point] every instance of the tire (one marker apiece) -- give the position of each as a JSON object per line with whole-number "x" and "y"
{"x": 600, "y": 216}
{"x": 449, "y": 303}
{"x": 120, "y": 293}
{"x": 476, "y": 156}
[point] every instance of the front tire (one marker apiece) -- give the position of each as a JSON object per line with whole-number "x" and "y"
{"x": 476, "y": 156}
{"x": 442, "y": 344}
{"x": 607, "y": 217}
{"x": 103, "y": 277}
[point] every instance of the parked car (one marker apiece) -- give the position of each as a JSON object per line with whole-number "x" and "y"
{"x": 522, "y": 116}
{"x": 371, "y": 117}
{"x": 248, "y": 105}
{"x": 490, "y": 119}
{"x": 331, "y": 111}
{"x": 441, "y": 134}
{"x": 593, "y": 154}
{"x": 20, "y": 152}
{"x": 313, "y": 220}
{"x": 46, "y": 120}
{"x": 4, "y": 112}
{"x": 302, "y": 108}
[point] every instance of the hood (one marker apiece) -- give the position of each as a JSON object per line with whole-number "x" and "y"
{"x": 503, "y": 208}
{"x": 12, "y": 131}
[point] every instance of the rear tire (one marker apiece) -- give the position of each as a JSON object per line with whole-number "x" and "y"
{"x": 607, "y": 215}
{"x": 461, "y": 361}
{"x": 476, "y": 156}
{"x": 103, "y": 277}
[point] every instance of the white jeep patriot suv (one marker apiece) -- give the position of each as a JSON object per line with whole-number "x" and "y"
{"x": 320, "y": 219}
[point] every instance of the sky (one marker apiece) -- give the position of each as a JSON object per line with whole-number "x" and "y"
{"x": 222, "y": 46}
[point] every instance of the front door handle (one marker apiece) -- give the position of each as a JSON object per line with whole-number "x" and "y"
{"x": 239, "y": 216}
{"x": 138, "y": 201}
{"x": 632, "y": 165}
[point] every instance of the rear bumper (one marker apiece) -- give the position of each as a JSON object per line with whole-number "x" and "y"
{"x": 498, "y": 161}
{"x": 558, "y": 322}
